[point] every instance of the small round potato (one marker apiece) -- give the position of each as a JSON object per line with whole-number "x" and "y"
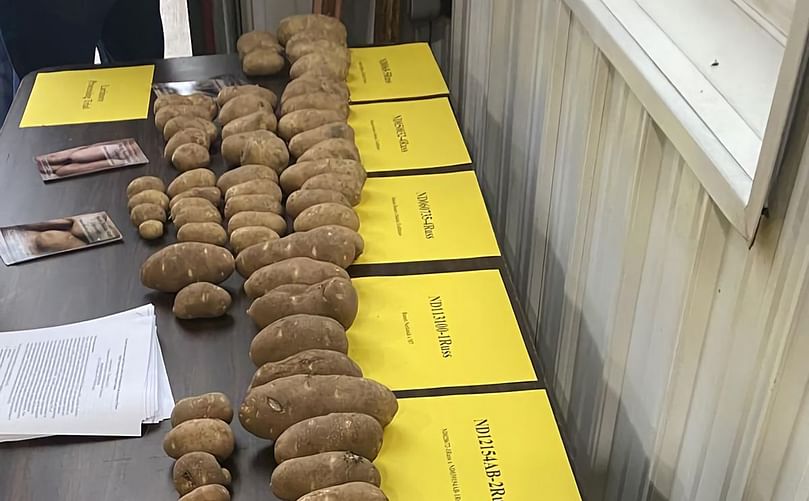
{"x": 151, "y": 229}
{"x": 144, "y": 183}
{"x": 190, "y": 156}
{"x": 210, "y": 233}
{"x": 201, "y": 300}
{"x": 196, "y": 469}
{"x": 145, "y": 212}
{"x": 213, "y": 436}
{"x": 212, "y": 405}
{"x": 327, "y": 214}
{"x": 149, "y": 196}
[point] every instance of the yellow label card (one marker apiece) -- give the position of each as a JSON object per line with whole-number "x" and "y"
{"x": 438, "y": 330}
{"x": 85, "y": 96}
{"x": 407, "y": 135}
{"x": 485, "y": 447}
{"x": 394, "y": 72}
{"x": 425, "y": 217}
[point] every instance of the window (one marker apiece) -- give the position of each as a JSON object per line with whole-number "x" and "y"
{"x": 719, "y": 77}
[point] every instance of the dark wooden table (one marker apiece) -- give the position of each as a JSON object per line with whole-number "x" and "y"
{"x": 200, "y": 356}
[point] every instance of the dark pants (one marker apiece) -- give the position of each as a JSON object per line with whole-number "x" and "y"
{"x": 45, "y": 33}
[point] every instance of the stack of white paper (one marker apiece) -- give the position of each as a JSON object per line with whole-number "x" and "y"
{"x": 100, "y": 377}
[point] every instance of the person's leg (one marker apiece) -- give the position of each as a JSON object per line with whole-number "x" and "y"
{"x": 133, "y": 30}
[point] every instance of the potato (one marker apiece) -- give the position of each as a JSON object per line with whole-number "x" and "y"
{"x": 196, "y": 469}
{"x": 213, "y": 436}
{"x": 180, "y": 264}
{"x": 145, "y": 212}
{"x": 269, "y": 220}
{"x": 297, "y": 477}
{"x": 190, "y": 156}
{"x": 234, "y": 145}
{"x": 196, "y": 178}
{"x": 307, "y": 139}
{"x": 183, "y": 122}
{"x": 295, "y": 270}
{"x": 151, "y": 229}
{"x": 299, "y": 47}
{"x": 144, "y": 183}
{"x": 201, "y": 300}
{"x": 211, "y": 492}
{"x": 294, "y": 334}
{"x": 268, "y": 410}
{"x": 323, "y": 244}
{"x": 253, "y": 40}
{"x": 246, "y": 236}
{"x": 295, "y": 122}
{"x": 290, "y": 26}
{"x": 266, "y": 151}
{"x": 316, "y": 101}
{"x": 327, "y": 214}
{"x": 324, "y": 63}
{"x": 310, "y": 82}
{"x": 214, "y": 405}
{"x": 242, "y": 105}
{"x": 196, "y": 215}
{"x": 263, "y": 62}
{"x": 170, "y": 100}
{"x": 341, "y": 431}
{"x": 210, "y": 233}
{"x": 349, "y": 186}
{"x": 301, "y": 200}
{"x": 322, "y": 362}
{"x": 149, "y": 196}
{"x": 209, "y": 193}
{"x": 56, "y": 240}
{"x": 259, "y": 120}
{"x": 184, "y": 203}
{"x": 261, "y": 186}
{"x": 295, "y": 175}
{"x": 165, "y": 114}
{"x": 343, "y": 233}
{"x": 186, "y": 136}
{"x": 351, "y": 491}
{"x": 313, "y": 34}
{"x": 204, "y": 101}
{"x": 255, "y": 203}
{"x": 333, "y": 297}
{"x": 244, "y": 174}
{"x": 332, "y": 148}
{"x": 231, "y": 91}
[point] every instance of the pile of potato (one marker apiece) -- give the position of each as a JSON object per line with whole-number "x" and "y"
{"x": 199, "y": 440}
{"x": 185, "y": 122}
{"x": 147, "y": 203}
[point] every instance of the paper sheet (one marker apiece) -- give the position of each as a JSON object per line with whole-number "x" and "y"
{"x": 86, "y": 96}
{"x": 437, "y": 330}
{"x": 486, "y": 447}
{"x": 423, "y": 218}
{"x": 406, "y": 135}
{"x": 394, "y": 72}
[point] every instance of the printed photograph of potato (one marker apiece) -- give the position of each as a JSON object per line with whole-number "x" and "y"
{"x": 90, "y": 158}
{"x": 24, "y": 242}
{"x": 210, "y": 87}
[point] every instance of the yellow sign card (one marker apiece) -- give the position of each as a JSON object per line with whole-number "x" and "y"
{"x": 404, "y": 135}
{"x": 485, "y": 447}
{"x": 438, "y": 330}
{"x": 394, "y": 72}
{"x": 425, "y": 217}
{"x": 85, "y": 96}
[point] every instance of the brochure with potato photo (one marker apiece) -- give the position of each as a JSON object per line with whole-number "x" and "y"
{"x": 24, "y": 242}
{"x": 91, "y": 158}
{"x": 210, "y": 87}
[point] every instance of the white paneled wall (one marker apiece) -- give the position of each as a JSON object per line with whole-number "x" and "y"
{"x": 678, "y": 357}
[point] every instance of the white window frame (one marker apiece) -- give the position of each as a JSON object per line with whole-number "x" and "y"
{"x": 735, "y": 164}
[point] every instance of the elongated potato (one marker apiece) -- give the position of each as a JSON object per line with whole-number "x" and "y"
{"x": 315, "y": 101}
{"x": 351, "y": 491}
{"x": 186, "y": 136}
{"x": 210, "y": 492}
{"x": 190, "y": 156}
{"x": 323, "y": 244}
{"x": 166, "y": 113}
{"x": 208, "y": 232}
{"x": 196, "y": 469}
{"x": 266, "y": 151}
{"x": 259, "y": 120}
{"x": 144, "y": 183}
{"x": 253, "y": 40}
{"x": 332, "y": 148}
{"x": 307, "y": 139}
{"x": 56, "y": 240}
{"x": 261, "y": 186}
{"x": 151, "y": 229}
{"x": 184, "y": 203}
{"x": 196, "y": 215}
{"x": 250, "y": 235}
{"x": 196, "y": 178}
{"x": 323, "y": 362}
{"x": 349, "y": 186}
{"x": 340, "y": 431}
{"x": 234, "y": 145}
{"x": 333, "y": 297}
{"x": 296, "y": 270}
{"x": 146, "y": 212}
{"x": 268, "y": 410}
{"x": 294, "y": 334}
{"x": 204, "y": 101}
{"x": 313, "y": 34}
{"x": 170, "y": 100}
{"x": 213, "y": 436}
{"x": 177, "y": 265}
{"x": 301, "y": 200}
{"x": 291, "y": 25}
{"x": 269, "y": 220}
{"x": 256, "y": 203}
{"x": 183, "y": 122}
{"x": 298, "y": 48}
{"x": 212, "y": 405}
{"x": 295, "y": 122}
{"x": 231, "y": 91}
{"x": 327, "y": 63}
{"x": 201, "y": 300}
{"x": 242, "y": 105}
{"x": 314, "y": 83}
{"x": 149, "y": 196}
{"x": 300, "y": 476}
{"x": 244, "y": 174}
{"x": 263, "y": 61}
{"x": 295, "y": 175}
{"x": 327, "y": 214}
{"x": 209, "y": 193}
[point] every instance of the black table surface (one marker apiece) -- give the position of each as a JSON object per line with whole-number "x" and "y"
{"x": 200, "y": 356}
